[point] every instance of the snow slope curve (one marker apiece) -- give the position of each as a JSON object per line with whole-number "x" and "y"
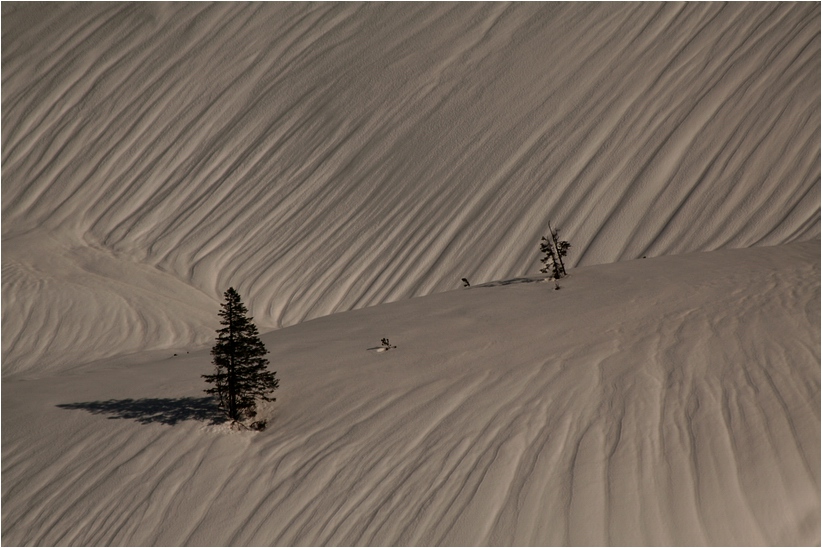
{"x": 327, "y": 157}
{"x": 663, "y": 402}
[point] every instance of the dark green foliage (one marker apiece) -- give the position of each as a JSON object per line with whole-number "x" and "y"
{"x": 241, "y": 375}
{"x": 554, "y": 250}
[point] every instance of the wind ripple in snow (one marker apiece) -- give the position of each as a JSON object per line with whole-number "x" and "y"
{"x": 322, "y": 158}
{"x": 670, "y": 401}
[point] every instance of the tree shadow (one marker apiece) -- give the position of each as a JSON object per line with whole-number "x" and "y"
{"x": 510, "y": 282}
{"x": 154, "y": 410}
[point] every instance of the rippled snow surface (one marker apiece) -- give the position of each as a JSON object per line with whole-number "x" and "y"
{"x": 327, "y": 157}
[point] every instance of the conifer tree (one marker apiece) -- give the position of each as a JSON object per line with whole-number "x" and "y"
{"x": 554, "y": 250}
{"x": 560, "y": 247}
{"x": 241, "y": 376}
{"x": 549, "y": 262}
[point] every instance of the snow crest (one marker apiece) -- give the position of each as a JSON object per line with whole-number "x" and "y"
{"x": 323, "y": 158}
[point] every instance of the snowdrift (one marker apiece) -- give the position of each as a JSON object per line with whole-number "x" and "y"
{"x": 323, "y": 158}
{"x": 661, "y": 401}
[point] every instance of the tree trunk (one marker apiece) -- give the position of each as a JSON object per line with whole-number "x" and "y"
{"x": 232, "y": 396}
{"x": 559, "y": 255}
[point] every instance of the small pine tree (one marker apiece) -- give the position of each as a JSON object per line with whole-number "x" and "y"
{"x": 241, "y": 376}
{"x": 554, "y": 250}
{"x": 561, "y": 248}
{"x": 549, "y": 261}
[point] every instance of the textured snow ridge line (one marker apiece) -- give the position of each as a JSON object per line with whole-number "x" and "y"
{"x": 669, "y": 401}
{"x": 322, "y": 158}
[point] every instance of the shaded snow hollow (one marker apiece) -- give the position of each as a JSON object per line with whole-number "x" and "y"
{"x": 666, "y": 401}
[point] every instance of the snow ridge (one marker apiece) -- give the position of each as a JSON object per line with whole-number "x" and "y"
{"x": 323, "y": 158}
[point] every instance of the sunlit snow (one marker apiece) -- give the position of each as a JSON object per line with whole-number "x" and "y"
{"x": 344, "y": 166}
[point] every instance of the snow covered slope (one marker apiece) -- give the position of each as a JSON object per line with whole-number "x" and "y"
{"x": 326, "y": 157}
{"x": 666, "y": 401}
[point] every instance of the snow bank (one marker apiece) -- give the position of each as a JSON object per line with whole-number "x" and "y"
{"x": 666, "y": 401}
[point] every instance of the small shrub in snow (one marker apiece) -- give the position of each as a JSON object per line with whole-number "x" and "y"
{"x": 385, "y": 346}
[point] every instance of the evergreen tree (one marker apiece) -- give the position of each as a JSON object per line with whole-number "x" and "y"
{"x": 549, "y": 261}
{"x": 554, "y": 250}
{"x": 560, "y": 247}
{"x": 241, "y": 376}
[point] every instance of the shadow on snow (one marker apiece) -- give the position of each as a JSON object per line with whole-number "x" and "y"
{"x": 509, "y": 282}
{"x": 154, "y": 410}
